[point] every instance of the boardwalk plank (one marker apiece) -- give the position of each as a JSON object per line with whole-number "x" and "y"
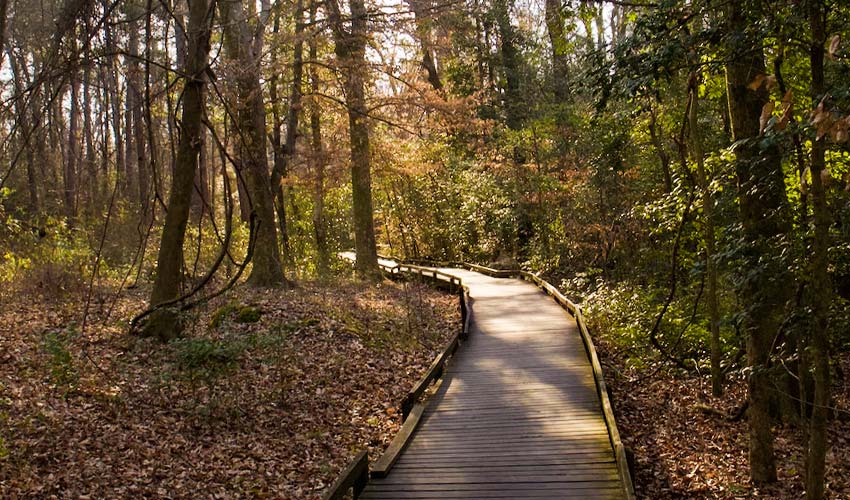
{"x": 517, "y": 414}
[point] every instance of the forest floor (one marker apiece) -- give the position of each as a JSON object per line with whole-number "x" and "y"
{"x": 687, "y": 444}
{"x": 270, "y": 394}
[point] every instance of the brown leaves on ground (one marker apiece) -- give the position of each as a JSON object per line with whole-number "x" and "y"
{"x": 686, "y": 445}
{"x": 271, "y": 403}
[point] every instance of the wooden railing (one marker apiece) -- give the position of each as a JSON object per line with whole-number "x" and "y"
{"x": 355, "y": 477}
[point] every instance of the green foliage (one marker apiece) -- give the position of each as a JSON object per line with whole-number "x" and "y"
{"x": 61, "y": 363}
{"x": 237, "y": 313}
{"x": 206, "y": 360}
{"x": 248, "y": 314}
{"x": 221, "y": 314}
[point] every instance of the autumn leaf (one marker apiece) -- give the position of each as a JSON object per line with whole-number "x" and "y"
{"x": 770, "y": 82}
{"x": 757, "y": 82}
{"x": 833, "y": 46}
{"x": 804, "y": 181}
{"x": 825, "y": 177}
{"x": 766, "y": 113}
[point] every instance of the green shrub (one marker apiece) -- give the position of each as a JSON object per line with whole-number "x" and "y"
{"x": 206, "y": 359}
{"x": 248, "y": 314}
{"x": 239, "y": 314}
{"x": 221, "y": 314}
{"x": 61, "y": 362}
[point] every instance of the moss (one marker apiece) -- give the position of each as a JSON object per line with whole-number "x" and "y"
{"x": 221, "y": 314}
{"x": 248, "y": 314}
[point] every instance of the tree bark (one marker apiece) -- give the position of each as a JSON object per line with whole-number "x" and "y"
{"x": 350, "y": 48}
{"x": 245, "y": 49}
{"x": 70, "y": 172}
{"x": 819, "y": 285}
{"x": 164, "y": 324}
{"x": 422, "y": 20}
{"x": 318, "y": 158}
{"x": 560, "y": 49}
{"x": 510, "y": 64}
{"x": 708, "y": 234}
{"x": 763, "y": 212}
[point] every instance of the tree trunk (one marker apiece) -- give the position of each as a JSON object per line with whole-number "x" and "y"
{"x": 92, "y": 198}
{"x": 164, "y": 324}
{"x": 560, "y": 49}
{"x": 318, "y": 157}
{"x": 115, "y": 103}
{"x": 70, "y": 173}
{"x": 661, "y": 151}
{"x": 283, "y": 152}
{"x": 708, "y": 234}
{"x": 136, "y": 145}
{"x": 510, "y": 64}
{"x": 350, "y": 48}
{"x": 245, "y": 50}
{"x": 25, "y": 129}
{"x": 761, "y": 196}
{"x": 422, "y": 20}
{"x": 819, "y": 285}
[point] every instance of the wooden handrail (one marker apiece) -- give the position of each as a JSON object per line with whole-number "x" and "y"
{"x": 354, "y": 477}
{"x": 411, "y": 408}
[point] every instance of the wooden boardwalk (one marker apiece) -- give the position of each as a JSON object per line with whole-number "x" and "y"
{"x": 517, "y": 414}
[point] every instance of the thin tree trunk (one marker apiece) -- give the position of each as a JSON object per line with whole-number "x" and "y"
{"x": 513, "y": 101}
{"x": 163, "y": 324}
{"x": 708, "y": 234}
{"x": 819, "y": 284}
{"x": 318, "y": 158}
{"x": 115, "y": 104}
{"x": 422, "y": 20}
{"x": 283, "y": 153}
{"x": 134, "y": 108}
{"x": 70, "y": 173}
{"x": 25, "y": 131}
{"x": 4, "y": 8}
{"x": 92, "y": 182}
{"x": 661, "y": 151}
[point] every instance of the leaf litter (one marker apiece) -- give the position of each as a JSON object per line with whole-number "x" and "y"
{"x": 270, "y": 400}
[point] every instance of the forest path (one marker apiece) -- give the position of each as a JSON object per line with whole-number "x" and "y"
{"x": 517, "y": 414}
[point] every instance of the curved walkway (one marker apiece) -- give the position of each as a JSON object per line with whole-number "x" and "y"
{"x": 517, "y": 414}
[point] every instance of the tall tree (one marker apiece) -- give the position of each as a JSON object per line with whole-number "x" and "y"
{"x": 423, "y": 19}
{"x": 764, "y": 219}
{"x": 510, "y": 62}
{"x": 163, "y": 323}
{"x": 555, "y": 27}
{"x": 244, "y": 47}
{"x": 820, "y": 288}
{"x": 350, "y": 48}
{"x": 318, "y": 158}
{"x": 283, "y": 152}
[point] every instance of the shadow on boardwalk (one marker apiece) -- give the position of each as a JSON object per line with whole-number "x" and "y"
{"x": 517, "y": 415}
